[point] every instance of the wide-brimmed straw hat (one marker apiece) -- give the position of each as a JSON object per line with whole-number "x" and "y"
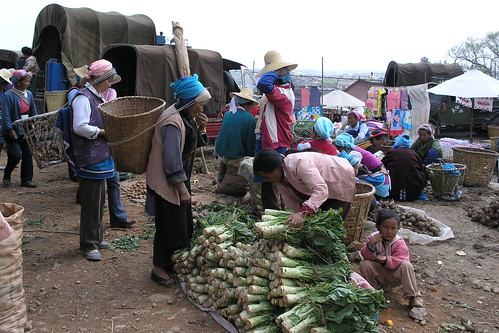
{"x": 245, "y": 93}
{"x": 273, "y": 62}
{"x": 5, "y": 74}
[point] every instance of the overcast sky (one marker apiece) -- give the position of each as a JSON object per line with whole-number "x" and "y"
{"x": 347, "y": 34}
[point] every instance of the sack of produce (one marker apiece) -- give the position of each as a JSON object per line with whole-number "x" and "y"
{"x": 12, "y": 306}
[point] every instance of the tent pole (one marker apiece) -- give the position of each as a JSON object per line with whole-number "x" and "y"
{"x": 322, "y": 82}
{"x": 471, "y": 124}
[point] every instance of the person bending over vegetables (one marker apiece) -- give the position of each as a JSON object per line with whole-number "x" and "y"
{"x": 307, "y": 180}
{"x": 386, "y": 258}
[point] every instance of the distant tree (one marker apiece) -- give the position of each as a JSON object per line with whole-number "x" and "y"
{"x": 478, "y": 53}
{"x": 424, "y": 59}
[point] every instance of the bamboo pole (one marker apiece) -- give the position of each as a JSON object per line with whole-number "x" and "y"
{"x": 181, "y": 50}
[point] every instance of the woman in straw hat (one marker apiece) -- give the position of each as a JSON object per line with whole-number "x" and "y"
{"x": 18, "y": 103}
{"x": 276, "y": 114}
{"x": 179, "y": 131}
{"x": 92, "y": 156}
{"x": 237, "y": 135}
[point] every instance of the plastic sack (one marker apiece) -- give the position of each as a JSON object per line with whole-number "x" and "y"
{"x": 13, "y": 314}
{"x": 415, "y": 238}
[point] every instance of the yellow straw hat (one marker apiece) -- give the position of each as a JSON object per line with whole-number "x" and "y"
{"x": 5, "y": 74}
{"x": 245, "y": 93}
{"x": 273, "y": 62}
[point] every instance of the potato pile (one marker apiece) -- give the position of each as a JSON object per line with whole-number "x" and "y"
{"x": 411, "y": 220}
{"x": 488, "y": 216}
{"x": 137, "y": 191}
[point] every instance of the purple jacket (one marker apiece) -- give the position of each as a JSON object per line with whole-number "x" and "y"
{"x": 368, "y": 159}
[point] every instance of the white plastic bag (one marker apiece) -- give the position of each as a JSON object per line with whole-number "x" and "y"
{"x": 415, "y": 238}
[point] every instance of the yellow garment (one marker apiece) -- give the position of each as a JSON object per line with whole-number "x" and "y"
{"x": 380, "y": 104}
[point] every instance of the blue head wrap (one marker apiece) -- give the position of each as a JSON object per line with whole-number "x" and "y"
{"x": 187, "y": 88}
{"x": 324, "y": 128}
{"x": 402, "y": 141}
{"x": 345, "y": 140}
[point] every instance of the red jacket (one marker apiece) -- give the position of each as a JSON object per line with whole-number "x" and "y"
{"x": 395, "y": 251}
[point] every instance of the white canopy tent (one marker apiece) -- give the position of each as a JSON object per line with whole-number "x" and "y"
{"x": 338, "y": 99}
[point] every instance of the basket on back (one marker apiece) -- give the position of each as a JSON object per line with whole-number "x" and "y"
{"x": 129, "y": 123}
{"x": 479, "y": 164}
{"x": 357, "y": 216}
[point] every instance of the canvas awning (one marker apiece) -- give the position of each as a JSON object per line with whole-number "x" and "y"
{"x": 398, "y": 75}
{"x": 338, "y": 98}
{"x": 8, "y": 58}
{"x": 77, "y": 36}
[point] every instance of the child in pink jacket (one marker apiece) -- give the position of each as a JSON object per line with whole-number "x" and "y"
{"x": 386, "y": 258}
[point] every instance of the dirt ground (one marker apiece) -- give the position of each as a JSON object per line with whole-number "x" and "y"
{"x": 67, "y": 293}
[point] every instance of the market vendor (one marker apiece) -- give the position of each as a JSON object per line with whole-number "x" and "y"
{"x": 370, "y": 170}
{"x": 355, "y": 127}
{"x": 307, "y": 181}
{"x": 18, "y": 103}
{"x": 406, "y": 170}
{"x": 321, "y": 137}
{"x": 376, "y": 139}
{"x": 427, "y": 147}
{"x": 179, "y": 131}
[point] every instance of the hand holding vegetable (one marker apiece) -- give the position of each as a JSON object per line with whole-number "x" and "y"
{"x": 296, "y": 219}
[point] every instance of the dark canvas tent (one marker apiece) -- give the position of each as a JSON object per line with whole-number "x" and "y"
{"x": 8, "y": 58}
{"x": 77, "y": 36}
{"x": 410, "y": 74}
{"x": 148, "y": 70}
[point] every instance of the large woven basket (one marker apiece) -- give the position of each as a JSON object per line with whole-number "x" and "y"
{"x": 446, "y": 183}
{"x": 479, "y": 164}
{"x": 55, "y": 100}
{"x": 357, "y": 216}
{"x": 493, "y": 130}
{"x": 45, "y": 141}
{"x": 129, "y": 123}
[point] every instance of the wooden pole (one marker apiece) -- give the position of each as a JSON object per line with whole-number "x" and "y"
{"x": 181, "y": 50}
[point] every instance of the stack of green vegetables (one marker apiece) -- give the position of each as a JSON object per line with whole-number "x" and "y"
{"x": 291, "y": 280}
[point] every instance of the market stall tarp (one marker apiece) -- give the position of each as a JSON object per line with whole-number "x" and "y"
{"x": 148, "y": 70}
{"x": 8, "y": 58}
{"x": 409, "y": 74}
{"x": 77, "y": 36}
{"x": 338, "y": 98}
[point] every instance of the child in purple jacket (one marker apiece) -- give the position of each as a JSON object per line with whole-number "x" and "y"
{"x": 386, "y": 258}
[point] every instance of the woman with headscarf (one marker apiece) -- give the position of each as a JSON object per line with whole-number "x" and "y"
{"x": 237, "y": 134}
{"x": 370, "y": 170}
{"x": 427, "y": 147}
{"x": 355, "y": 127}
{"x": 376, "y": 139}
{"x": 92, "y": 156}
{"x": 179, "y": 131}
{"x": 406, "y": 170}
{"x": 18, "y": 103}
{"x": 307, "y": 181}
{"x": 321, "y": 137}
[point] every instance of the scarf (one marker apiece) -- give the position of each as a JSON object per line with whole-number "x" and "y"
{"x": 20, "y": 94}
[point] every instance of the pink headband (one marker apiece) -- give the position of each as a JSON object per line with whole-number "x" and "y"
{"x": 427, "y": 127}
{"x": 357, "y": 115}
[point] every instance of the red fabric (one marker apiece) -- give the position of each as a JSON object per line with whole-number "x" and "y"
{"x": 324, "y": 146}
{"x": 281, "y": 103}
{"x": 305, "y": 96}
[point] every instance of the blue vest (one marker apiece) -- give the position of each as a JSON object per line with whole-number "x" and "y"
{"x": 88, "y": 152}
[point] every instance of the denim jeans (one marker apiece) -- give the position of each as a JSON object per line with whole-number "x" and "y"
{"x": 117, "y": 213}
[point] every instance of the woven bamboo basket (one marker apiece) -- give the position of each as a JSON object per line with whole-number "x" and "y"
{"x": 493, "y": 143}
{"x": 55, "y": 100}
{"x": 129, "y": 123}
{"x": 479, "y": 164}
{"x": 357, "y": 216}
{"x": 45, "y": 141}
{"x": 446, "y": 183}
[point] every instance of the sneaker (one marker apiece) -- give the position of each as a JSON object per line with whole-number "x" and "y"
{"x": 28, "y": 184}
{"x": 92, "y": 255}
{"x": 415, "y": 302}
{"x": 104, "y": 245}
{"x": 7, "y": 182}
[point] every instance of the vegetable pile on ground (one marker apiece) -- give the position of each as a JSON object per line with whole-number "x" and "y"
{"x": 488, "y": 216}
{"x": 291, "y": 280}
{"x": 410, "y": 220}
{"x": 137, "y": 191}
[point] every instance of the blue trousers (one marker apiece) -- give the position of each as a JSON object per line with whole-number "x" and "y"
{"x": 117, "y": 213}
